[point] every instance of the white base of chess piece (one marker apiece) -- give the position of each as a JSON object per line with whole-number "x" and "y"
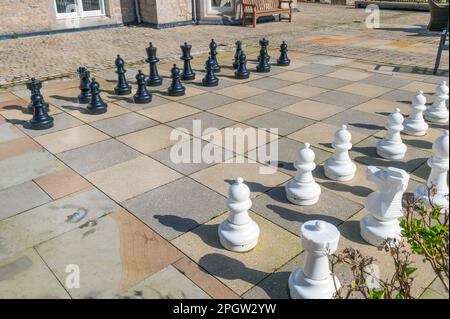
{"x": 415, "y": 124}
{"x": 438, "y": 112}
{"x": 315, "y": 281}
{"x": 384, "y": 205}
{"x": 239, "y": 233}
{"x": 303, "y": 189}
{"x": 391, "y": 146}
{"x": 340, "y": 167}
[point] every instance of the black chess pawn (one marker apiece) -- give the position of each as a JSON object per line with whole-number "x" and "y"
{"x": 176, "y": 88}
{"x": 85, "y": 95}
{"x": 142, "y": 95}
{"x": 210, "y": 78}
{"x": 213, "y": 55}
{"x": 237, "y": 54}
{"x": 35, "y": 87}
{"x": 154, "y": 79}
{"x": 242, "y": 71}
{"x": 284, "y": 59}
{"x": 122, "y": 87}
{"x": 264, "y": 58}
{"x": 96, "y": 105}
{"x": 188, "y": 74}
{"x": 41, "y": 120}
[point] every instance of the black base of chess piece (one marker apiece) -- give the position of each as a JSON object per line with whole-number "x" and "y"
{"x": 154, "y": 79}
{"x": 176, "y": 88}
{"x": 122, "y": 88}
{"x": 284, "y": 59}
{"x": 30, "y": 108}
{"x": 263, "y": 66}
{"x": 85, "y": 95}
{"x": 237, "y": 54}
{"x": 142, "y": 95}
{"x": 96, "y": 105}
{"x": 210, "y": 78}
{"x": 188, "y": 74}
{"x": 242, "y": 71}
{"x": 41, "y": 120}
{"x": 34, "y": 85}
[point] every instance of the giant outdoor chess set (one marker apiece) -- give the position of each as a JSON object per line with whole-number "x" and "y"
{"x": 86, "y": 155}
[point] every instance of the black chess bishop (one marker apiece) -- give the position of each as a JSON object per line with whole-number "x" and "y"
{"x": 122, "y": 87}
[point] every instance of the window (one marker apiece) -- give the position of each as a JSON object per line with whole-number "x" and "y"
{"x": 79, "y": 8}
{"x": 218, "y": 6}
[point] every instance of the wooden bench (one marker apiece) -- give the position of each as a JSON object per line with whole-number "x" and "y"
{"x": 261, "y": 8}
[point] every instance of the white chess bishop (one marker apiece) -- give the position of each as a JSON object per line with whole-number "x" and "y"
{"x": 391, "y": 146}
{"x": 239, "y": 233}
{"x": 415, "y": 123}
{"x": 439, "y": 164}
{"x": 438, "y": 112}
{"x": 315, "y": 281}
{"x": 384, "y": 205}
{"x": 340, "y": 167}
{"x": 303, "y": 189}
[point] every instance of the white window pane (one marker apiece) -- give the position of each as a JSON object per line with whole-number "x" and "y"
{"x": 91, "y": 5}
{"x": 221, "y": 3}
{"x": 66, "y": 6}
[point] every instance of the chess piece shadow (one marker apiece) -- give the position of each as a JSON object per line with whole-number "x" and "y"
{"x": 15, "y": 107}
{"x": 24, "y": 124}
{"x": 65, "y": 98}
{"x": 295, "y": 216}
{"x": 367, "y": 126}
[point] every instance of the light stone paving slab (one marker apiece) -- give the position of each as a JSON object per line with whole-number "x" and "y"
{"x": 18, "y": 147}
{"x": 274, "y": 100}
{"x": 124, "y": 124}
{"x": 342, "y": 99}
{"x": 349, "y": 75}
{"x": 285, "y": 123}
{"x": 302, "y": 91}
{"x": 240, "y": 91}
{"x": 326, "y": 82}
{"x": 364, "y": 89}
{"x": 293, "y": 76}
{"x": 168, "y": 112}
{"x": 62, "y": 183}
{"x": 240, "y": 111}
{"x": 9, "y": 132}
{"x": 207, "y": 101}
{"x": 312, "y": 109}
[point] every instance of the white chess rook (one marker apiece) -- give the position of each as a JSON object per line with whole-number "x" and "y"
{"x": 391, "y": 146}
{"x": 439, "y": 164}
{"x": 239, "y": 233}
{"x": 340, "y": 167}
{"x": 384, "y": 205}
{"x": 303, "y": 189}
{"x": 315, "y": 281}
{"x": 415, "y": 123}
{"x": 438, "y": 112}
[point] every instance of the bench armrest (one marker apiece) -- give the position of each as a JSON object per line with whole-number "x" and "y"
{"x": 286, "y": 1}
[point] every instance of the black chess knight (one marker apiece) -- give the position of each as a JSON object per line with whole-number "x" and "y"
{"x": 176, "y": 88}
{"x": 284, "y": 59}
{"x": 154, "y": 79}
{"x": 41, "y": 120}
{"x": 96, "y": 105}
{"x": 210, "y": 78}
{"x": 237, "y": 54}
{"x": 142, "y": 95}
{"x": 85, "y": 95}
{"x": 213, "y": 55}
{"x": 242, "y": 71}
{"x": 188, "y": 74}
{"x": 122, "y": 87}
{"x": 35, "y": 87}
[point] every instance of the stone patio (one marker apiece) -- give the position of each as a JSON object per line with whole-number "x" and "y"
{"x": 100, "y": 191}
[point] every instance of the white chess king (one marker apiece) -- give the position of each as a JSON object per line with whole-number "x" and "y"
{"x": 438, "y": 112}
{"x": 239, "y": 233}
{"x": 303, "y": 189}
{"x": 391, "y": 146}
{"x": 415, "y": 123}
{"x": 384, "y": 205}
{"x": 340, "y": 167}
{"x": 439, "y": 164}
{"x": 315, "y": 281}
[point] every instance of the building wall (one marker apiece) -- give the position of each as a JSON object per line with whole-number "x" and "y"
{"x": 23, "y": 16}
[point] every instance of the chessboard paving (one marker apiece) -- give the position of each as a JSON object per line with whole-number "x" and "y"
{"x": 151, "y": 225}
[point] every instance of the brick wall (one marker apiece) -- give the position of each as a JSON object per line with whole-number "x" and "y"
{"x": 22, "y": 16}
{"x": 174, "y": 10}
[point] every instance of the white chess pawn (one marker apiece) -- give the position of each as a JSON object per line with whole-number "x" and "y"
{"x": 415, "y": 124}
{"x": 303, "y": 189}
{"x": 384, "y": 205}
{"x": 391, "y": 146}
{"x": 315, "y": 281}
{"x": 439, "y": 164}
{"x": 438, "y": 113}
{"x": 340, "y": 167}
{"x": 239, "y": 233}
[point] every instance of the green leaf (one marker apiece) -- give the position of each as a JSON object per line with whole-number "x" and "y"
{"x": 376, "y": 294}
{"x": 410, "y": 270}
{"x": 353, "y": 284}
{"x": 399, "y": 296}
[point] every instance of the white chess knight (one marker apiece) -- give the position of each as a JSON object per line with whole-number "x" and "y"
{"x": 384, "y": 205}
{"x": 439, "y": 164}
{"x": 315, "y": 281}
{"x": 415, "y": 123}
{"x": 438, "y": 112}
{"x": 239, "y": 233}
{"x": 391, "y": 146}
{"x": 303, "y": 189}
{"x": 340, "y": 167}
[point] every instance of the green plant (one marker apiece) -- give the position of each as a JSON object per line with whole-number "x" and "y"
{"x": 14, "y": 35}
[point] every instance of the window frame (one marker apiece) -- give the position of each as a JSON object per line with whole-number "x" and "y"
{"x": 217, "y": 10}
{"x": 80, "y": 12}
